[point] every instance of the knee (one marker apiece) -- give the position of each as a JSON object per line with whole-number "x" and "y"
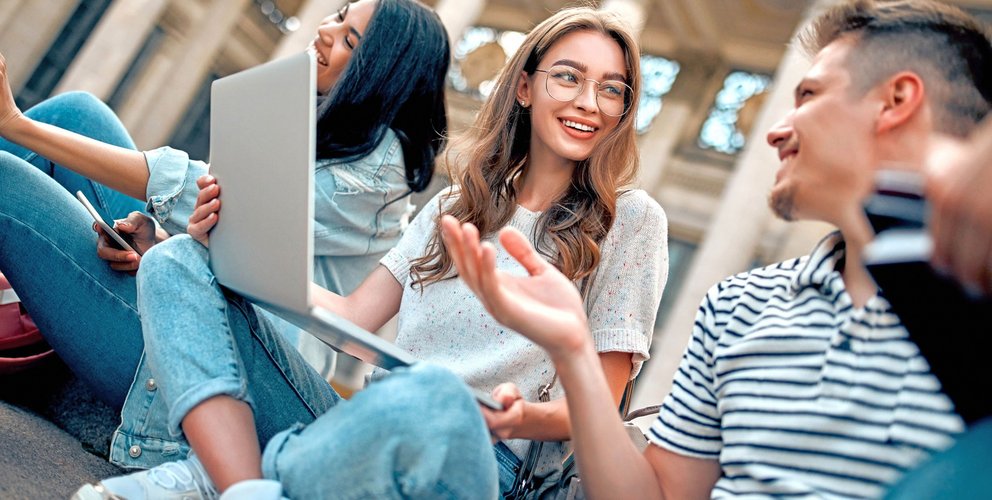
{"x": 79, "y": 101}
{"x": 438, "y": 396}
{"x": 170, "y": 260}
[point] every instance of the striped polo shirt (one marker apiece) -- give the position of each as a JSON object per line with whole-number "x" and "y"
{"x": 798, "y": 393}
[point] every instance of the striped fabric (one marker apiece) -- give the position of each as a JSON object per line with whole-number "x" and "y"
{"x": 798, "y": 393}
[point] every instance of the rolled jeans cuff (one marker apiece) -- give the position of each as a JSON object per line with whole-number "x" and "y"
{"x": 223, "y": 386}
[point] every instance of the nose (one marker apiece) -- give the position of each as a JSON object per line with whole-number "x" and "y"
{"x": 586, "y": 99}
{"x": 780, "y": 131}
{"x": 325, "y": 32}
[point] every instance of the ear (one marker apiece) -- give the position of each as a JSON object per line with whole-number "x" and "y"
{"x": 903, "y": 97}
{"x": 524, "y": 89}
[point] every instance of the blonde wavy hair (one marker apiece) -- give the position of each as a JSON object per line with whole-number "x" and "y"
{"x": 497, "y": 147}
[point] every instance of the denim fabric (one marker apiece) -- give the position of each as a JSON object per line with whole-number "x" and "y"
{"x": 86, "y": 311}
{"x": 417, "y": 433}
{"x": 961, "y": 471}
{"x": 200, "y": 343}
{"x": 354, "y": 221}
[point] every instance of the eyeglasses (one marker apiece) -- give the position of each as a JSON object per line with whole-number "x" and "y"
{"x": 565, "y": 83}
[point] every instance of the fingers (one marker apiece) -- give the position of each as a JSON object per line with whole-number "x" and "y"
{"x": 205, "y": 180}
{"x": 462, "y": 244}
{"x": 520, "y": 249}
{"x": 502, "y": 423}
{"x": 119, "y": 260}
{"x": 507, "y": 393}
{"x": 205, "y": 215}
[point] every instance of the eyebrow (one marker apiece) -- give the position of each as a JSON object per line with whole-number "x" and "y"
{"x": 583, "y": 68}
{"x": 805, "y": 82}
{"x": 344, "y": 14}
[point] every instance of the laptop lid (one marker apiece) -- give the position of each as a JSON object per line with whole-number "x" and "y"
{"x": 262, "y": 143}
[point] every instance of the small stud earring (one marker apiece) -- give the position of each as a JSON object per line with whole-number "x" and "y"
{"x": 523, "y": 103}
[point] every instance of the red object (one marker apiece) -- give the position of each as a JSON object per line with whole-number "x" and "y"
{"x": 18, "y": 331}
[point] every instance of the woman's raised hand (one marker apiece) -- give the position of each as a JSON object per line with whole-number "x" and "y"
{"x": 205, "y": 214}
{"x": 8, "y": 108}
{"x": 544, "y": 306}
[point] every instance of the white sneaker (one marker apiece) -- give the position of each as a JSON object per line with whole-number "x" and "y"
{"x": 180, "y": 480}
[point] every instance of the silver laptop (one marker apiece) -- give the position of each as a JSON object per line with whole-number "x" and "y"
{"x": 262, "y": 144}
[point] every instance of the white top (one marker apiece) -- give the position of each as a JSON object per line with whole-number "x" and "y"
{"x": 445, "y": 324}
{"x": 798, "y": 393}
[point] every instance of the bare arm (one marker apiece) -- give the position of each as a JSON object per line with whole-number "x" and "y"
{"x": 370, "y": 306}
{"x": 546, "y": 308}
{"x": 549, "y": 421}
{"x": 119, "y": 168}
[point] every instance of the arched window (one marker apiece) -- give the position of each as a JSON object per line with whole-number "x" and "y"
{"x": 721, "y": 131}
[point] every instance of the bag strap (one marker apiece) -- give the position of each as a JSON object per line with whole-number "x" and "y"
{"x": 524, "y": 482}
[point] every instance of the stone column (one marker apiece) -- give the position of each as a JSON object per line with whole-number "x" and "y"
{"x": 118, "y": 37}
{"x": 658, "y": 144}
{"x": 27, "y": 30}
{"x": 735, "y": 231}
{"x": 458, "y": 15}
{"x": 310, "y": 15}
{"x": 174, "y": 93}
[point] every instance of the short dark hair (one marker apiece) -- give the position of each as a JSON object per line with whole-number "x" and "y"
{"x": 949, "y": 49}
{"x": 394, "y": 80}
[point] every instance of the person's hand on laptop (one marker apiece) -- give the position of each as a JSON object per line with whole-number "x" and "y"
{"x": 205, "y": 214}
{"x": 144, "y": 235}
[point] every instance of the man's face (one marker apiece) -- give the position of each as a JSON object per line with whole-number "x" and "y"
{"x": 826, "y": 143}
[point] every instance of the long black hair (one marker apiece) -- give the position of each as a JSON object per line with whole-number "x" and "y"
{"x": 395, "y": 79}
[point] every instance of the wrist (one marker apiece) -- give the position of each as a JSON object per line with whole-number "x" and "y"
{"x": 10, "y": 124}
{"x": 577, "y": 358}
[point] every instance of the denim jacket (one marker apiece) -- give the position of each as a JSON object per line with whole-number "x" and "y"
{"x": 351, "y": 234}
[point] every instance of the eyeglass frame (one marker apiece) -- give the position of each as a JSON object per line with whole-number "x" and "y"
{"x": 626, "y": 99}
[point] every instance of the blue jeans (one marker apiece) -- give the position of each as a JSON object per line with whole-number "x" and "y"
{"x": 85, "y": 310}
{"x": 418, "y": 433}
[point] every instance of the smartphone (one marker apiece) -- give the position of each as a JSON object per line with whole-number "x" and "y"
{"x": 950, "y": 327}
{"x": 120, "y": 241}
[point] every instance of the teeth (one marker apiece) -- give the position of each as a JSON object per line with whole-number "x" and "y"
{"x": 578, "y": 126}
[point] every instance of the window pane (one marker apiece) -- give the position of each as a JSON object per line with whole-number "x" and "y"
{"x": 657, "y": 77}
{"x": 720, "y": 131}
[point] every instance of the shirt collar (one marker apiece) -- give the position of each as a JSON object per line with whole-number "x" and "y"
{"x": 825, "y": 260}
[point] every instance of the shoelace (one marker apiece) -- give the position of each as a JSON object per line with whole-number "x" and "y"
{"x": 181, "y": 476}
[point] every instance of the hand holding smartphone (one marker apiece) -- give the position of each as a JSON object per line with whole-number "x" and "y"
{"x": 120, "y": 240}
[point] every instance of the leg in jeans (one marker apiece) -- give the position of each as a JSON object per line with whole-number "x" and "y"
{"x": 86, "y": 311}
{"x": 86, "y": 115}
{"x": 203, "y": 347}
{"x": 418, "y": 433}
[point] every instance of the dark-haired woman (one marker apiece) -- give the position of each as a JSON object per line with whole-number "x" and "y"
{"x": 376, "y": 140}
{"x": 552, "y": 151}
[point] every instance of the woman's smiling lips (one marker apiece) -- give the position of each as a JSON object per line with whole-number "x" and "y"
{"x": 321, "y": 60}
{"x": 578, "y": 128}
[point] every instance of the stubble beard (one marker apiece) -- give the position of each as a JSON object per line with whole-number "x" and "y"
{"x": 782, "y": 203}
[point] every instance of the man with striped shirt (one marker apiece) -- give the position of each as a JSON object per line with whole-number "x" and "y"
{"x": 798, "y": 379}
